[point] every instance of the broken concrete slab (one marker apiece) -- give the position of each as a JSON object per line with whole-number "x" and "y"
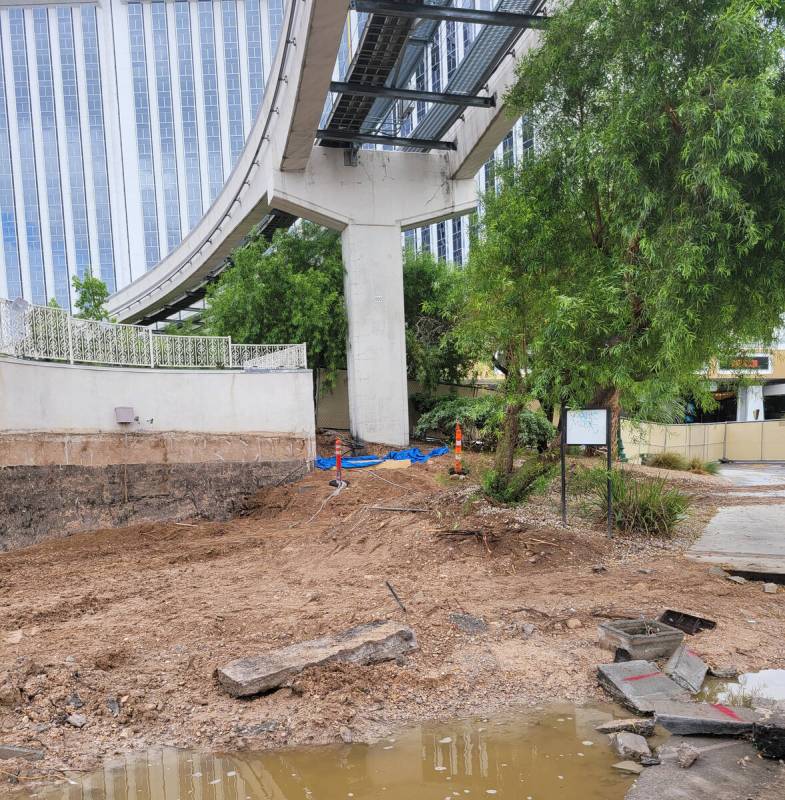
{"x": 630, "y": 745}
{"x": 370, "y": 643}
{"x": 770, "y": 588}
{"x": 643, "y": 726}
{"x": 630, "y": 767}
{"x": 704, "y": 719}
{"x": 737, "y": 579}
{"x": 641, "y": 638}
{"x": 768, "y": 736}
{"x": 15, "y": 751}
{"x": 639, "y": 684}
{"x": 687, "y": 668}
{"x": 727, "y": 769}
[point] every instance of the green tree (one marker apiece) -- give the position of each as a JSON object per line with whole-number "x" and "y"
{"x": 661, "y": 152}
{"x": 92, "y": 295}
{"x": 290, "y": 291}
{"x": 434, "y": 352}
{"x": 508, "y": 292}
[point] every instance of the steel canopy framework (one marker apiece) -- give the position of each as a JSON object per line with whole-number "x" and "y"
{"x": 355, "y": 118}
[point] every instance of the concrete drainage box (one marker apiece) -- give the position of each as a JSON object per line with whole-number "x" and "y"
{"x": 645, "y": 639}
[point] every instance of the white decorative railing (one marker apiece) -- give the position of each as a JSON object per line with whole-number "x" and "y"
{"x": 51, "y": 334}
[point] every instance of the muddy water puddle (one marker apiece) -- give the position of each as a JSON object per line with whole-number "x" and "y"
{"x": 551, "y": 754}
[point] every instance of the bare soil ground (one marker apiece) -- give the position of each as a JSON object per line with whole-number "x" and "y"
{"x": 125, "y": 627}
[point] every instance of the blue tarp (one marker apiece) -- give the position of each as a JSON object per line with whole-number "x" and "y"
{"x": 413, "y": 454}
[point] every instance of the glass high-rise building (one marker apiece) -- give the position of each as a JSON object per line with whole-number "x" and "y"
{"x": 119, "y": 123}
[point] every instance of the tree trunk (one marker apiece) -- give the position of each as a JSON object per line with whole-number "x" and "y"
{"x": 608, "y": 397}
{"x": 505, "y": 450}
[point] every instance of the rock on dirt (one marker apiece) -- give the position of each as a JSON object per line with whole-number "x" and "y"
{"x": 630, "y": 745}
{"x": 643, "y": 726}
{"x": 468, "y": 623}
{"x": 370, "y": 643}
{"x": 27, "y": 753}
{"x": 76, "y": 720}
{"x": 687, "y": 755}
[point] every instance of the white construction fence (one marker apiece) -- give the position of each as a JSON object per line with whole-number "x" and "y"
{"x": 734, "y": 441}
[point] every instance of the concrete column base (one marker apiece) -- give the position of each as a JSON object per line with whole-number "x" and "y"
{"x": 750, "y": 404}
{"x": 376, "y": 346}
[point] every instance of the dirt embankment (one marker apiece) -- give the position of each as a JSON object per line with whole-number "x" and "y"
{"x": 124, "y": 628}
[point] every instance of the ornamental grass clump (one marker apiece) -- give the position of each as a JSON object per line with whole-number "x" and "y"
{"x": 640, "y": 505}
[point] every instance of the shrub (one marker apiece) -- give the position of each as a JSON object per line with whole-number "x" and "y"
{"x": 533, "y": 477}
{"x": 667, "y": 461}
{"x": 704, "y": 467}
{"x": 640, "y": 505}
{"x": 678, "y": 462}
{"x": 483, "y": 418}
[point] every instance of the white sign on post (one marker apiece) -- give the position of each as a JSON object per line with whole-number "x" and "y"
{"x": 587, "y": 426}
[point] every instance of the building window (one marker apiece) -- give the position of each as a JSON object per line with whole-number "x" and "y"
{"x": 95, "y": 112}
{"x": 27, "y": 165}
{"x": 234, "y": 94}
{"x": 451, "y": 48}
{"x": 13, "y": 270}
{"x": 73, "y": 138}
{"x": 508, "y": 155}
{"x": 212, "y": 115}
{"x": 425, "y": 239}
{"x": 419, "y": 84}
{"x": 436, "y": 63}
{"x": 275, "y": 15}
{"x": 144, "y": 135}
{"x": 468, "y": 28}
{"x": 441, "y": 241}
{"x": 51, "y": 165}
{"x": 457, "y": 240}
{"x": 253, "y": 35}
{"x": 163, "y": 91}
{"x": 185, "y": 61}
{"x": 409, "y": 240}
{"x": 489, "y": 173}
{"x": 527, "y": 136}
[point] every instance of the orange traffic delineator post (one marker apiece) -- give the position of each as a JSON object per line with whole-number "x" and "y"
{"x": 458, "y": 449}
{"x": 338, "y": 470}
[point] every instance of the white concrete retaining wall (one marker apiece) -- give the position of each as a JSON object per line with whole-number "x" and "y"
{"x": 47, "y": 397}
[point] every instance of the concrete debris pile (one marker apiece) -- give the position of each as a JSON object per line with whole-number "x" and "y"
{"x": 664, "y": 694}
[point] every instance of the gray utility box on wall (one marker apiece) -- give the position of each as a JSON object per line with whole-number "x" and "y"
{"x": 124, "y": 415}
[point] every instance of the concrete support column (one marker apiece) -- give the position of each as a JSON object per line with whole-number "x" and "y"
{"x": 376, "y": 347}
{"x": 749, "y": 404}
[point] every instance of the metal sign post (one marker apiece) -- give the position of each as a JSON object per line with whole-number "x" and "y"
{"x": 608, "y": 426}
{"x": 563, "y": 447}
{"x": 588, "y": 427}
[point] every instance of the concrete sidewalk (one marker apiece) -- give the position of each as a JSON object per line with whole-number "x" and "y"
{"x": 749, "y": 538}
